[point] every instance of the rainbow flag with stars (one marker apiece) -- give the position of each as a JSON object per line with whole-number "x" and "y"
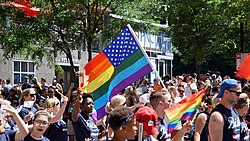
{"x": 120, "y": 64}
{"x": 184, "y": 110}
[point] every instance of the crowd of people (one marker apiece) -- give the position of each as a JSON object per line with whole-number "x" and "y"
{"x": 34, "y": 110}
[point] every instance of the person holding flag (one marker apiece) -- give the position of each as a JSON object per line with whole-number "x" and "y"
{"x": 119, "y": 65}
{"x": 83, "y": 123}
{"x": 160, "y": 101}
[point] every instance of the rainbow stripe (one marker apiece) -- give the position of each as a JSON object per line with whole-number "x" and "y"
{"x": 244, "y": 69}
{"x": 116, "y": 67}
{"x": 184, "y": 110}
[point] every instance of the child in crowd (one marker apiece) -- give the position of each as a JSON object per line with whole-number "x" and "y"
{"x": 41, "y": 122}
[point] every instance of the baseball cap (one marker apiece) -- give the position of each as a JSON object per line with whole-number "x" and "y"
{"x": 226, "y": 85}
{"x": 181, "y": 77}
{"x": 148, "y": 117}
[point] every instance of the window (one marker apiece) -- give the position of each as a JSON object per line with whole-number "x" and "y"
{"x": 22, "y": 69}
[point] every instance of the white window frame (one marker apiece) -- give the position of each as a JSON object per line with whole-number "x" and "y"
{"x": 21, "y": 72}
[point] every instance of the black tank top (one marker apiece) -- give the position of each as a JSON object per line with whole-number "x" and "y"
{"x": 231, "y": 129}
{"x": 204, "y": 133}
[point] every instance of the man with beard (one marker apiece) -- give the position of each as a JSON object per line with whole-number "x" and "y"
{"x": 224, "y": 122}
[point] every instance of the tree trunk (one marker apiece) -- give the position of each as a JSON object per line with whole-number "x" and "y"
{"x": 72, "y": 67}
{"x": 89, "y": 46}
{"x": 198, "y": 69}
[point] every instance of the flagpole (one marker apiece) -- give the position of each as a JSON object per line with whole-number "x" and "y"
{"x": 145, "y": 54}
{"x": 197, "y": 111}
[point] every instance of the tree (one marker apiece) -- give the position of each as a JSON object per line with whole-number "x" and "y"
{"x": 61, "y": 26}
{"x": 202, "y": 28}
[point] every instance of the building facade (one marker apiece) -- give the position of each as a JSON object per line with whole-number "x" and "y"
{"x": 158, "y": 47}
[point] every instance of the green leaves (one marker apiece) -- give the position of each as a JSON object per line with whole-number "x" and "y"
{"x": 204, "y": 28}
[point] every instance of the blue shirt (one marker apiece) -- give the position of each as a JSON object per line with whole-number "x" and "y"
{"x": 25, "y": 111}
{"x": 25, "y": 86}
{"x": 85, "y": 128}
{"x": 8, "y": 135}
{"x": 57, "y": 131}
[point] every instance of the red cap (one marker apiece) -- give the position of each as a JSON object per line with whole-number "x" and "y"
{"x": 149, "y": 118}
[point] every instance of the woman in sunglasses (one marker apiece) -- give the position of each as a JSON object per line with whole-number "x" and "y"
{"x": 28, "y": 107}
{"x": 40, "y": 124}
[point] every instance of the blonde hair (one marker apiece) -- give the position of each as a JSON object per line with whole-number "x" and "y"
{"x": 50, "y": 104}
{"x": 116, "y": 101}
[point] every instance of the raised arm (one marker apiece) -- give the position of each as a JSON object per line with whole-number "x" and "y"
{"x": 185, "y": 128}
{"x": 69, "y": 91}
{"x": 76, "y": 108}
{"x": 23, "y": 129}
{"x": 215, "y": 127}
{"x": 61, "y": 111}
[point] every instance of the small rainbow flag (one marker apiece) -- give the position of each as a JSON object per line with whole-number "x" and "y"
{"x": 184, "y": 110}
{"x": 116, "y": 67}
{"x": 244, "y": 69}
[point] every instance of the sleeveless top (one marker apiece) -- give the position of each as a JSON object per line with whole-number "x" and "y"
{"x": 163, "y": 131}
{"x": 85, "y": 128}
{"x": 231, "y": 128}
{"x": 204, "y": 133}
{"x": 244, "y": 133}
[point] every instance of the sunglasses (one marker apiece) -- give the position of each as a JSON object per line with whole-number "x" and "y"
{"x": 169, "y": 101}
{"x": 237, "y": 93}
{"x": 181, "y": 91}
{"x": 50, "y": 92}
{"x": 32, "y": 95}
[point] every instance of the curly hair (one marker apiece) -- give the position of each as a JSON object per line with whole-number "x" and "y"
{"x": 118, "y": 116}
{"x": 85, "y": 96}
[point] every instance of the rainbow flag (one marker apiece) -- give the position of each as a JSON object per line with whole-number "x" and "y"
{"x": 116, "y": 67}
{"x": 183, "y": 110}
{"x": 244, "y": 69}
